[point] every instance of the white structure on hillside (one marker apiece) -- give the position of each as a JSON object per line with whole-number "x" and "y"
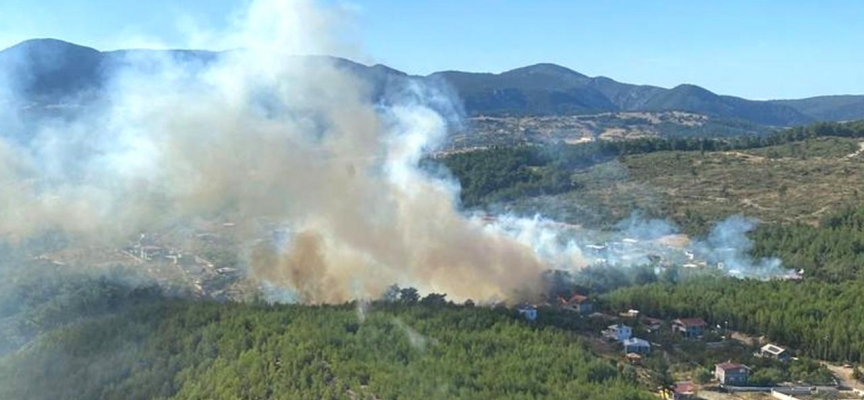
{"x": 618, "y": 332}
{"x": 775, "y": 352}
{"x": 636, "y": 345}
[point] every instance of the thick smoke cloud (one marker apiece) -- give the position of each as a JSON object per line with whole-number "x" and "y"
{"x": 264, "y": 136}
{"x": 277, "y": 142}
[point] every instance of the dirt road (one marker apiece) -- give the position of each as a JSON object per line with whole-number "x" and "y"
{"x": 844, "y": 375}
{"x": 860, "y": 150}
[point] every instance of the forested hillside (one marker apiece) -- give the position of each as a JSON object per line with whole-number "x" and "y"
{"x": 833, "y": 250}
{"x": 829, "y": 108}
{"x": 148, "y": 347}
{"x": 820, "y": 316}
{"x": 261, "y": 218}
{"x": 113, "y": 337}
{"x": 819, "y": 319}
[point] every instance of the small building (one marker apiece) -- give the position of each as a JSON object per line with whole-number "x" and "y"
{"x": 618, "y": 332}
{"x": 636, "y": 345}
{"x": 631, "y": 313}
{"x": 681, "y": 391}
{"x": 729, "y": 373}
{"x": 689, "y": 327}
{"x": 578, "y": 303}
{"x": 634, "y": 358}
{"x": 529, "y": 312}
{"x": 776, "y": 352}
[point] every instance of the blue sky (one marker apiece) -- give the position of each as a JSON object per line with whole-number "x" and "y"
{"x": 757, "y": 49}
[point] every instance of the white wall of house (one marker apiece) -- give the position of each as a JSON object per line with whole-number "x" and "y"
{"x": 622, "y": 332}
{"x": 636, "y": 346}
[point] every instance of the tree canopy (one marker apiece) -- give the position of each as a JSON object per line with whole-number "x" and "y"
{"x": 147, "y": 347}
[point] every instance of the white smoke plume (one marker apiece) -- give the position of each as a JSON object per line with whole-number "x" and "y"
{"x": 728, "y": 247}
{"x": 638, "y": 242}
{"x": 262, "y": 135}
{"x": 416, "y": 339}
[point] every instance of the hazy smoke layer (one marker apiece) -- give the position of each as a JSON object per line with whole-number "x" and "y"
{"x": 276, "y": 142}
{"x": 728, "y": 246}
{"x": 261, "y": 135}
{"x": 639, "y": 242}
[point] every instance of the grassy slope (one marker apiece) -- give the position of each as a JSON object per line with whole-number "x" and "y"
{"x": 791, "y": 182}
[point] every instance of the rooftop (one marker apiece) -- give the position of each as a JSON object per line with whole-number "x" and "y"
{"x": 691, "y": 322}
{"x": 684, "y": 388}
{"x": 636, "y": 342}
{"x": 770, "y": 348}
{"x": 729, "y": 366}
{"x": 577, "y": 298}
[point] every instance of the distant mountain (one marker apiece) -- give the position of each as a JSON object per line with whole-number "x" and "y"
{"x": 699, "y": 100}
{"x": 829, "y": 108}
{"x": 46, "y": 70}
{"x": 548, "y": 89}
{"x": 43, "y": 68}
{"x": 542, "y": 89}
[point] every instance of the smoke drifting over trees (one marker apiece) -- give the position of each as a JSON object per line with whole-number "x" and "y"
{"x": 262, "y": 136}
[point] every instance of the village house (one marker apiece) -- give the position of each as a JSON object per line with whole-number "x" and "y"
{"x": 636, "y": 345}
{"x": 681, "y": 391}
{"x": 729, "y": 373}
{"x": 618, "y": 332}
{"x": 689, "y": 327}
{"x": 775, "y": 352}
{"x": 577, "y": 303}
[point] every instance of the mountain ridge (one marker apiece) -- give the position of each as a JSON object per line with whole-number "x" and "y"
{"x": 48, "y": 69}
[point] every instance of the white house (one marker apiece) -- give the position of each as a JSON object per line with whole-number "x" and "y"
{"x": 775, "y": 352}
{"x": 636, "y": 345}
{"x": 618, "y": 332}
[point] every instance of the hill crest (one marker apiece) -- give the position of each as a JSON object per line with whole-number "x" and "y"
{"x": 48, "y": 69}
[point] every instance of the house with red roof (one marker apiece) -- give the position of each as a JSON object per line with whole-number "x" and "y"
{"x": 689, "y": 327}
{"x": 578, "y": 303}
{"x": 681, "y": 391}
{"x": 729, "y": 373}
